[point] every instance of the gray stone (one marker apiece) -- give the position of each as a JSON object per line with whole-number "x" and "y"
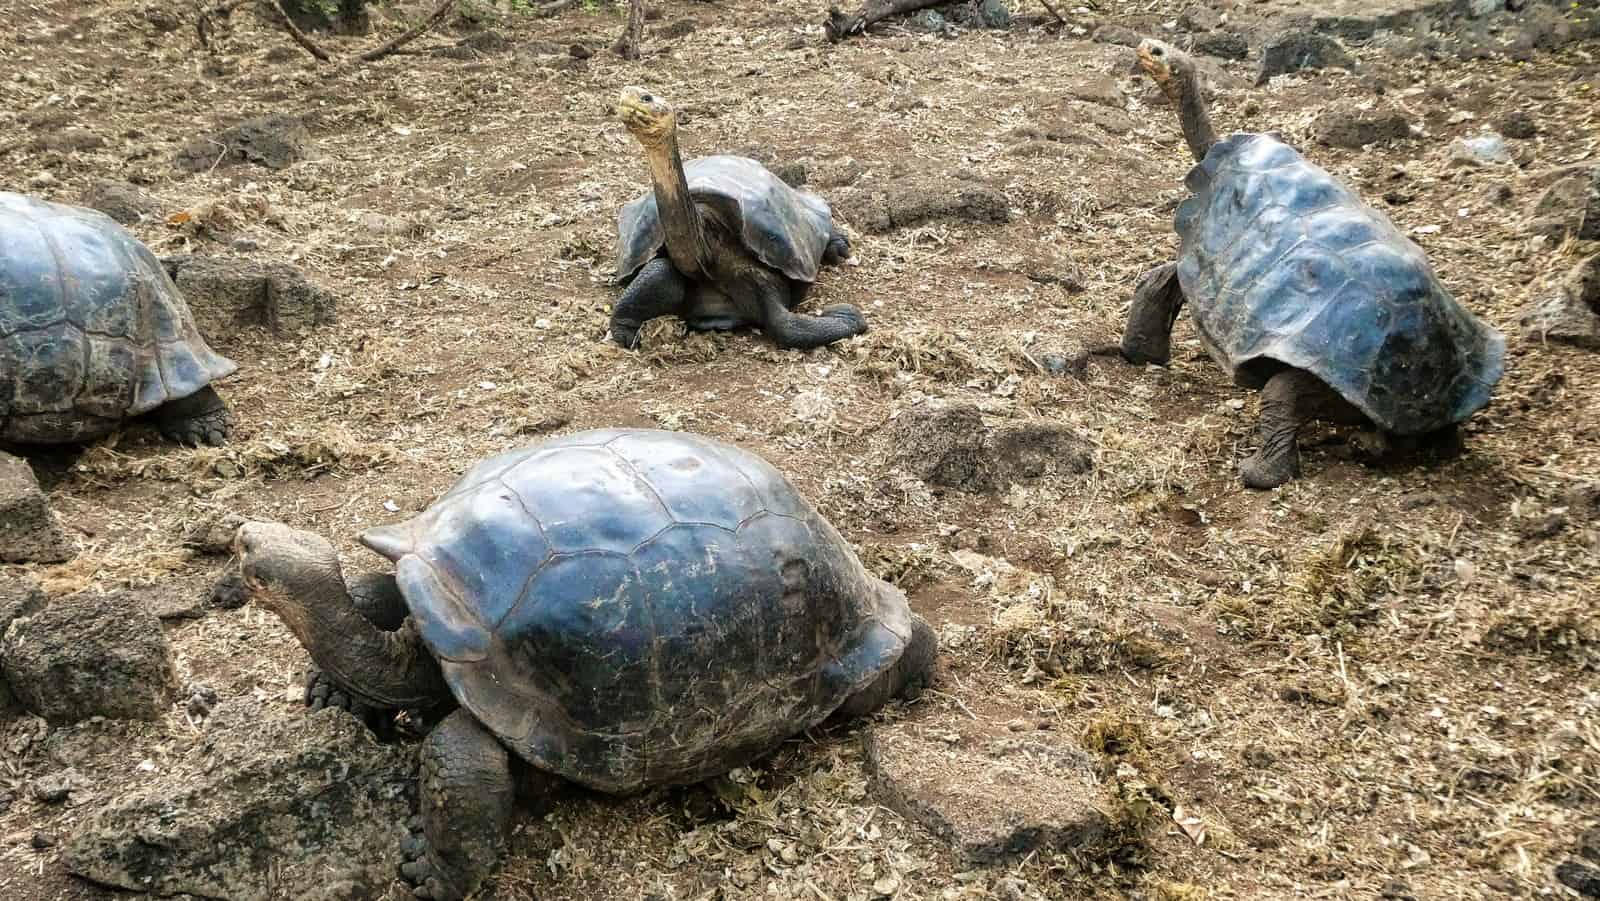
{"x": 1199, "y": 18}
{"x": 1519, "y": 124}
{"x": 943, "y": 444}
{"x": 1569, "y": 311}
{"x": 1292, "y": 51}
{"x": 1073, "y": 362}
{"x": 905, "y": 202}
{"x": 1559, "y": 211}
{"x": 19, "y": 597}
{"x": 1481, "y": 150}
{"x": 949, "y": 444}
{"x": 121, "y": 201}
{"x": 227, "y": 292}
{"x": 29, "y": 532}
{"x": 268, "y": 805}
{"x": 1353, "y": 128}
{"x": 1580, "y": 877}
{"x": 994, "y": 800}
{"x": 213, "y": 535}
{"x": 275, "y": 142}
{"x": 1116, "y": 34}
{"x": 88, "y": 655}
{"x": 1221, "y": 44}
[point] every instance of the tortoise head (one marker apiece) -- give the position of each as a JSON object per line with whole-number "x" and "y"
{"x": 1170, "y": 68}
{"x": 650, "y": 118}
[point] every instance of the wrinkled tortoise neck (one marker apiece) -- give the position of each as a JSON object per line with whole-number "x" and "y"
{"x": 1192, "y": 112}
{"x": 680, "y": 219}
{"x": 386, "y": 669}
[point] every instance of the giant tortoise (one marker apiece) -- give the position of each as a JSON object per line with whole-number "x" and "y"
{"x": 1299, "y": 288}
{"x": 620, "y": 609}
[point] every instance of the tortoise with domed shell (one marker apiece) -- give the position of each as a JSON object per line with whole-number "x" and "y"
{"x": 620, "y": 609}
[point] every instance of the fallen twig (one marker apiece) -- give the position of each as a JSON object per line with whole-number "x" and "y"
{"x": 432, "y": 20}
{"x": 840, "y": 26}
{"x": 295, "y": 32}
{"x": 1051, "y": 8}
{"x": 202, "y": 25}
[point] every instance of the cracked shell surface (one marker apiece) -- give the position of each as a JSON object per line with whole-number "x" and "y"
{"x": 92, "y": 329}
{"x": 628, "y": 608}
{"x": 1281, "y": 262}
{"x": 788, "y": 229}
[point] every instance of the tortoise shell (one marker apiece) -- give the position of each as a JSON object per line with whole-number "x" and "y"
{"x": 628, "y": 608}
{"x": 1283, "y": 264}
{"x": 785, "y": 228}
{"x": 92, "y": 329}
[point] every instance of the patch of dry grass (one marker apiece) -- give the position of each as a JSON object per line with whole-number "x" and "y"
{"x": 300, "y": 452}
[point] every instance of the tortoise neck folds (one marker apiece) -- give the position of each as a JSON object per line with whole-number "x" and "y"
{"x": 680, "y": 220}
{"x": 1192, "y": 114}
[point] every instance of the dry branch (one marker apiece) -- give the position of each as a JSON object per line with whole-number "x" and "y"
{"x": 553, "y": 7}
{"x": 1051, "y": 7}
{"x": 294, "y": 32}
{"x": 404, "y": 39}
{"x": 627, "y": 45}
{"x": 840, "y": 26}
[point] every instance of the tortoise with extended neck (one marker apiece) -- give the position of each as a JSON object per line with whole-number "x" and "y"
{"x": 721, "y": 242}
{"x": 620, "y": 609}
{"x": 93, "y": 334}
{"x": 1299, "y": 288}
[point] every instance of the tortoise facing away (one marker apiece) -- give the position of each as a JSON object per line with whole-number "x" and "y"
{"x": 721, "y": 242}
{"x": 94, "y": 333}
{"x": 1299, "y": 288}
{"x": 619, "y": 609}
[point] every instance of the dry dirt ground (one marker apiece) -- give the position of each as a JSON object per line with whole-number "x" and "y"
{"x": 1377, "y": 681}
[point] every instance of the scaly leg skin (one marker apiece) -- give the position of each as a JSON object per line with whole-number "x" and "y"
{"x": 200, "y": 418}
{"x": 1290, "y": 399}
{"x": 658, "y": 290}
{"x": 798, "y": 330}
{"x": 467, "y": 798}
{"x": 905, "y": 678}
{"x": 1156, "y": 302}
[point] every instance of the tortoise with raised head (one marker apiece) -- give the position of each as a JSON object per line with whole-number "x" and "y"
{"x": 93, "y": 333}
{"x": 721, "y": 242}
{"x": 620, "y": 609}
{"x": 1299, "y": 288}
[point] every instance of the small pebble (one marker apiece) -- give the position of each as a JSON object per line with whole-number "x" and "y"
{"x": 42, "y": 841}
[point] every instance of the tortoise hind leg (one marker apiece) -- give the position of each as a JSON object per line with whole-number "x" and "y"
{"x": 199, "y": 418}
{"x": 798, "y": 330}
{"x": 1290, "y": 399}
{"x": 658, "y": 290}
{"x": 467, "y": 798}
{"x": 1156, "y": 302}
{"x": 904, "y": 678}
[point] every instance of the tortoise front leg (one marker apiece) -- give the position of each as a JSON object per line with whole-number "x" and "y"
{"x": 199, "y": 418}
{"x": 798, "y": 330}
{"x": 1290, "y": 399}
{"x": 838, "y": 249}
{"x": 658, "y": 290}
{"x": 467, "y": 798}
{"x": 1156, "y": 301}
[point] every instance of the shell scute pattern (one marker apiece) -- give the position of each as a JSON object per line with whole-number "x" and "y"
{"x": 644, "y": 613}
{"x": 92, "y": 329}
{"x": 786, "y": 228}
{"x": 1283, "y": 264}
